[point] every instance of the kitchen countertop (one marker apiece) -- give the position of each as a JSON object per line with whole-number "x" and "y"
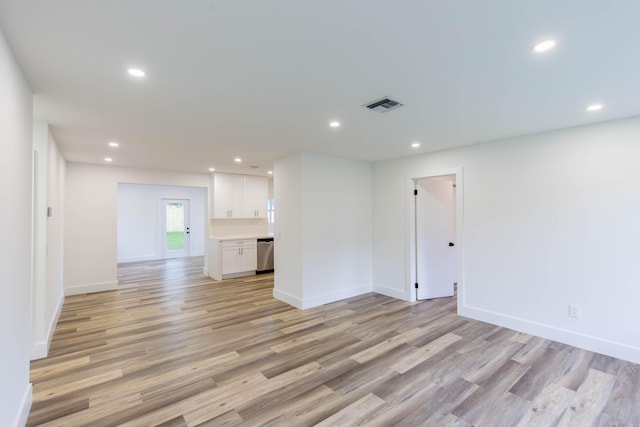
{"x": 242, "y": 237}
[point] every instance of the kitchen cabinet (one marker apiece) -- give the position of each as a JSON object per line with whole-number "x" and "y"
{"x": 226, "y": 195}
{"x": 239, "y": 256}
{"x": 255, "y": 196}
{"x": 238, "y": 196}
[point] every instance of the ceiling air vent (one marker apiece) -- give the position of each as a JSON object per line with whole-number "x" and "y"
{"x": 383, "y": 105}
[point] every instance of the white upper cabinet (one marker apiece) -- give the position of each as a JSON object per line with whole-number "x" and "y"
{"x": 226, "y": 197}
{"x": 239, "y": 196}
{"x": 255, "y": 196}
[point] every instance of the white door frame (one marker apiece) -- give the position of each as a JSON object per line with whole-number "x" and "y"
{"x": 411, "y": 238}
{"x": 163, "y": 225}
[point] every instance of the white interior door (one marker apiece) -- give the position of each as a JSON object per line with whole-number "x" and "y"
{"x": 435, "y": 232}
{"x": 175, "y": 228}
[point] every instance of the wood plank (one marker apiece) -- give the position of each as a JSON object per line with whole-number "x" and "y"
{"x": 425, "y": 352}
{"x": 589, "y": 400}
{"x": 353, "y": 413}
{"x": 548, "y": 407}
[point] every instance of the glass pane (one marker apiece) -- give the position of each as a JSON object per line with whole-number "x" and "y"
{"x": 175, "y": 226}
{"x": 270, "y": 211}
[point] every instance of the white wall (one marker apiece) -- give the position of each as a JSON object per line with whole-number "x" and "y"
{"x": 140, "y": 219}
{"x": 49, "y": 172}
{"x": 288, "y": 239}
{"x": 549, "y": 220}
{"x": 15, "y": 228}
{"x": 324, "y": 224}
{"x": 91, "y": 217}
{"x": 56, "y": 172}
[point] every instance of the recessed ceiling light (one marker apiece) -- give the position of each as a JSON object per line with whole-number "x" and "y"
{"x": 544, "y": 46}
{"x": 212, "y": 169}
{"x": 113, "y": 144}
{"x": 334, "y": 124}
{"x": 237, "y": 160}
{"x": 415, "y": 145}
{"x": 136, "y": 72}
{"x": 270, "y": 172}
{"x": 108, "y": 159}
{"x": 594, "y": 107}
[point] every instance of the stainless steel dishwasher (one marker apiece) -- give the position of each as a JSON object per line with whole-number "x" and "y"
{"x": 265, "y": 255}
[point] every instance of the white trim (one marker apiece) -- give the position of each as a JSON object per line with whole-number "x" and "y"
{"x": 287, "y": 298}
{"x": 391, "y": 292}
{"x": 25, "y": 407}
{"x": 335, "y": 296}
{"x": 151, "y": 257}
{"x": 205, "y": 271}
{"x": 40, "y": 350}
{"x": 91, "y": 288}
{"x": 411, "y": 261}
{"x": 240, "y": 274}
{"x": 587, "y": 342}
{"x": 54, "y": 320}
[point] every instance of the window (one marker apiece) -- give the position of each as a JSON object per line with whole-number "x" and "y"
{"x": 270, "y": 211}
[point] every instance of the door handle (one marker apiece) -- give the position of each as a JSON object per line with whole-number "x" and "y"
{"x": 451, "y": 244}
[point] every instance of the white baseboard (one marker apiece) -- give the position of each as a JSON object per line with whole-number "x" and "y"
{"x": 91, "y": 288}
{"x": 237, "y": 275}
{"x": 54, "y": 320}
{"x": 205, "y": 271}
{"x": 587, "y": 342}
{"x": 391, "y": 292}
{"x": 25, "y": 407}
{"x": 40, "y": 350}
{"x": 150, "y": 257}
{"x": 335, "y": 296}
{"x": 287, "y": 298}
{"x": 320, "y": 299}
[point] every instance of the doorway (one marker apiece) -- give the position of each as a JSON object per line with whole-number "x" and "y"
{"x": 176, "y": 231}
{"x": 142, "y": 223}
{"x": 436, "y": 229}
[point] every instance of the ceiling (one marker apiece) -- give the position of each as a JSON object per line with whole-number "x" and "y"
{"x": 262, "y": 79}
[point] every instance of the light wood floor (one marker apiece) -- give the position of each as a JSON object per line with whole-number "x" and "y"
{"x": 174, "y": 348}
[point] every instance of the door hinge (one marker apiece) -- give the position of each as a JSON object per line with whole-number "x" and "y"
{"x": 415, "y": 192}
{"x": 416, "y": 285}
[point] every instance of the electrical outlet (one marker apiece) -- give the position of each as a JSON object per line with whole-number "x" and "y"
{"x": 574, "y": 311}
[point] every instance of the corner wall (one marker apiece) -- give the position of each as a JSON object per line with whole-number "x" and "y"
{"x": 91, "y": 217}
{"x": 288, "y": 234}
{"x": 323, "y": 229}
{"x": 15, "y": 260}
{"x": 549, "y": 220}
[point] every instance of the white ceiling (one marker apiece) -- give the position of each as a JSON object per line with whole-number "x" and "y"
{"x": 261, "y": 79}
